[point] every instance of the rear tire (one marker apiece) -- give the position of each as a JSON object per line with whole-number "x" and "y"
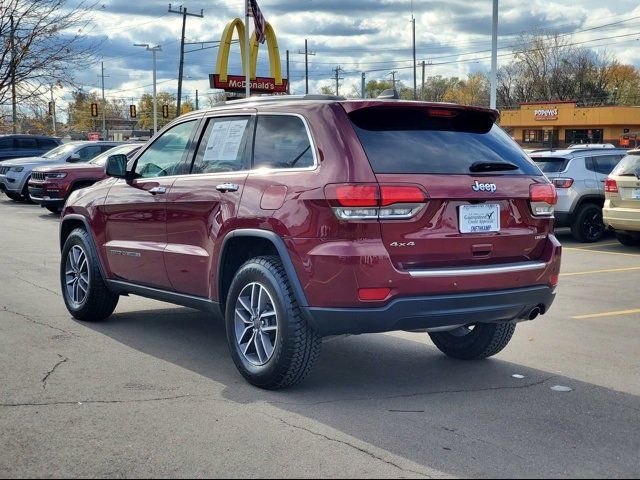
{"x": 627, "y": 239}
{"x": 588, "y": 225}
{"x": 475, "y": 342}
{"x": 84, "y": 291}
{"x": 270, "y": 341}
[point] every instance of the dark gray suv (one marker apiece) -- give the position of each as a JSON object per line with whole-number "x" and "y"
{"x": 20, "y": 146}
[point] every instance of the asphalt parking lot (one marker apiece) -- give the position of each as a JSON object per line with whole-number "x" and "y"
{"x": 153, "y": 392}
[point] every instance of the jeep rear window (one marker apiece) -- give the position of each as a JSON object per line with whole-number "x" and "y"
{"x": 629, "y": 165}
{"x": 418, "y": 140}
{"x": 552, "y": 164}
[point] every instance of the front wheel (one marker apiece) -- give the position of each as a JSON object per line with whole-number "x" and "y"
{"x": 85, "y": 294}
{"x": 474, "y": 342}
{"x": 16, "y": 197}
{"x": 54, "y": 209}
{"x": 270, "y": 341}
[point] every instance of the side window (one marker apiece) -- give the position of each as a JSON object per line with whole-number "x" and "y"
{"x": 106, "y": 148}
{"x": 590, "y": 163}
{"x": 46, "y": 144}
{"x": 281, "y": 142}
{"x": 222, "y": 146}
{"x": 164, "y": 157}
{"x": 606, "y": 164}
{"x": 26, "y": 144}
{"x": 6, "y": 143}
{"x": 87, "y": 153}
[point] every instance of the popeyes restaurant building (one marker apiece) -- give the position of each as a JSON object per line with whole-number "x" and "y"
{"x": 559, "y": 124}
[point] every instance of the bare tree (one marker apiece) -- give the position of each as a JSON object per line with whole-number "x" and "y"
{"x": 44, "y": 42}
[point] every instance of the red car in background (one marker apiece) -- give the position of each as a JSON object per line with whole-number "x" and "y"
{"x": 50, "y": 186}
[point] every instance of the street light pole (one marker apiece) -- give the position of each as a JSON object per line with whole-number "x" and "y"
{"x": 494, "y": 57}
{"x": 53, "y": 114}
{"x": 154, "y": 51}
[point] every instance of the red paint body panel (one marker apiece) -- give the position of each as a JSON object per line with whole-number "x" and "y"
{"x": 62, "y": 187}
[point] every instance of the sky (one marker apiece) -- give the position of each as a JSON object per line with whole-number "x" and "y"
{"x": 373, "y": 36}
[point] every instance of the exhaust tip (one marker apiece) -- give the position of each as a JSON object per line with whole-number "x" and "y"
{"x": 533, "y": 314}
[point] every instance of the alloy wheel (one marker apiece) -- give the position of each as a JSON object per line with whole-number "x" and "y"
{"x": 77, "y": 275}
{"x": 256, "y": 324}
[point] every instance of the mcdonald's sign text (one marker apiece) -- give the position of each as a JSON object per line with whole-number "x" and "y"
{"x": 236, "y": 83}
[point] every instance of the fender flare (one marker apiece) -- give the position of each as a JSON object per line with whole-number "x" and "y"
{"x": 92, "y": 241}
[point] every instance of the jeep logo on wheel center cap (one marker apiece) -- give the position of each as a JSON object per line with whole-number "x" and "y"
{"x": 484, "y": 187}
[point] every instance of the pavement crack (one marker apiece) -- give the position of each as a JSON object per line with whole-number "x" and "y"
{"x": 348, "y": 444}
{"x": 50, "y": 372}
{"x": 57, "y": 294}
{"x": 32, "y": 320}
{"x": 93, "y": 402}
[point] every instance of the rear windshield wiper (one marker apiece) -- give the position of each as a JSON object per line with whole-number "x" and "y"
{"x": 479, "y": 167}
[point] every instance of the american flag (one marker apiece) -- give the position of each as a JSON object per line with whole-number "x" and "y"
{"x": 259, "y": 22}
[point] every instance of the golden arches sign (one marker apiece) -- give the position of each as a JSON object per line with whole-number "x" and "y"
{"x": 222, "y": 79}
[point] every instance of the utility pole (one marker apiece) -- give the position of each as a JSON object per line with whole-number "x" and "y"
{"x": 182, "y": 11}
{"x": 197, "y": 101}
{"x": 288, "y": 79}
{"x": 393, "y": 77}
{"x": 415, "y": 64}
{"x": 14, "y": 107}
{"x": 364, "y": 85}
{"x": 337, "y": 70}
{"x": 494, "y": 57}
{"x": 154, "y": 51}
{"x": 105, "y": 133}
{"x": 53, "y": 114}
{"x": 306, "y": 54}
{"x": 424, "y": 67}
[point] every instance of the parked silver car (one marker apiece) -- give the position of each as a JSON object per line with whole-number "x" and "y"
{"x": 579, "y": 175}
{"x": 15, "y": 174}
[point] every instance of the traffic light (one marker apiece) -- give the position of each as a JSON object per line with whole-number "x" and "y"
{"x": 132, "y": 111}
{"x": 94, "y": 109}
{"x": 165, "y": 111}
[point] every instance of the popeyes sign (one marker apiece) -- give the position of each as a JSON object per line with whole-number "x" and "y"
{"x": 545, "y": 114}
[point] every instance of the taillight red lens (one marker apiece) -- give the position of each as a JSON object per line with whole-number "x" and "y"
{"x": 392, "y": 194}
{"x": 440, "y": 112}
{"x": 563, "y": 182}
{"x": 544, "y": 192}
{"x": 357, "y": 195}
{"x": 611, "y": 186}
{"x": 373, "y": 294}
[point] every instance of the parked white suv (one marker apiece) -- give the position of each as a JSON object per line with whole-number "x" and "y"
{"x": 579, "y": 175}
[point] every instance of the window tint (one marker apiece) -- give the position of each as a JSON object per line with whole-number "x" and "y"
{"x": 164, "y": 157}
{"x": 415, "y": 140}
{"x": 630, "y": 165}
{"x": 26, "y": 143}
{"x": 87, "y": 153}
{"x": 6, "y": 143}
{"x": 46, "y": 144}
{"x": 603, "y": 164}
{"x": 281, "y": 142}
{"x": 222, "y": 146}
{"x": 552, "y": 164}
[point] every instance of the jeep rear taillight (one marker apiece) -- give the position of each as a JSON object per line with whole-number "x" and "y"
{"x": 373, "y": 202}
{"x": 611, "y": 186}
{"x": 563, "y": 182}
{"x": 543, "y": 199}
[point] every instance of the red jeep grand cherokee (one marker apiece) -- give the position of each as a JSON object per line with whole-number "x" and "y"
{"x": 50, "y": 186}
{"x": 301, "y": 217}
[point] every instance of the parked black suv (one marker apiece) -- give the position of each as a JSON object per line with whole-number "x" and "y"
{"x": 20, "y": 146}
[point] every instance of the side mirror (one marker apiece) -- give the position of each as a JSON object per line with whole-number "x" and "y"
{"x": 116, "y": 166}
{"x": 75, "y": 158}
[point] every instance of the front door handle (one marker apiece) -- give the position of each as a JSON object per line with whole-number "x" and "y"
{"x": 228, "y": 187}
{"x": 158, "y": 191}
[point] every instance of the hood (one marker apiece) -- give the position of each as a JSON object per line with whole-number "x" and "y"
{"x": 69, "y": 167}
{"x": 34, "y": 162}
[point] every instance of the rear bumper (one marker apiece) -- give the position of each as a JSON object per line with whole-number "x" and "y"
{"x": 626, "y": 219}
{"x": 563, "y": 219}
{"x": 432, "y": 312}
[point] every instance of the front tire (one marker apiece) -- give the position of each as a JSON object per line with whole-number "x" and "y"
{"x": 270, "y": 341}
{"x": 588, "y": 225}
{"x": 627, "y": 239}
{"x": 16, "y": 197}
{"x": 475, "y": 342}
{"x": 85, "y": 294}
{"x": 53, "y": 209}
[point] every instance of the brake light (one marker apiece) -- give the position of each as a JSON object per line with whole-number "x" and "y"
{"x": 543, "y": 198}
{"x": 373, "y": 294}
{"x": 611, "y": 186}
{"x": 373, "y": 202}
{"x": 563, "y": 182}
{"x": 439, "y": 112}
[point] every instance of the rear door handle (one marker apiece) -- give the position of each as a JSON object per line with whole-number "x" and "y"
{"x": 158, "y": 191}
{"x": 228, "y": 187}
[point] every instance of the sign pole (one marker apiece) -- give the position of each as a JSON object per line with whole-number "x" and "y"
{"x": 247, "y": 52}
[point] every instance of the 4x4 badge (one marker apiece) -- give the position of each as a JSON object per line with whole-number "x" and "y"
{"x": 484, "y": 187}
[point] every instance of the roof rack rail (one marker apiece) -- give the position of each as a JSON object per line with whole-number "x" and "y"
{"x": 282, "y": 98}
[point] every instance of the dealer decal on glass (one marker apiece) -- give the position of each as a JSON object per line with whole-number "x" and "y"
{"x": 479, "y": 218}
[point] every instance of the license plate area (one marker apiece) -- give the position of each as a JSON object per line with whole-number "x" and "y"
{"x": 484, "y": 218}
{"x": 635, "y": 193}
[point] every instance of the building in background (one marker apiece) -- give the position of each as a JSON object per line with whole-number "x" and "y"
{"x": 558, "y": 124}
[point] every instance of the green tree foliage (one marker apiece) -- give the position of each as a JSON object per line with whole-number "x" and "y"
{"x": 145, "y": 110}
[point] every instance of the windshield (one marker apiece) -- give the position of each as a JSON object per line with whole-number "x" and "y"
{"x": 552, "y": 164}
{"x": 61, "y": 150}
{"x": 101, "y": 160}
{"x": 629, "y": 165}
{"x": 432, "y": 141}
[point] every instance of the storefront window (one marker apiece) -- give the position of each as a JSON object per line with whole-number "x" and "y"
{"x": 533, "y": 136}
{"x": 584, "y": 136}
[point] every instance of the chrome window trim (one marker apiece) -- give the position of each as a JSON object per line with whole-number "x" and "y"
{"x": 480, "y": 270}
